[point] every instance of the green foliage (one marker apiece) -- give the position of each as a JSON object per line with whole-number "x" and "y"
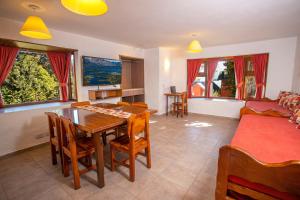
{"x": 114, "y": 78}
{"x": 230, "y": 78}
{"x": 30, "y": 80}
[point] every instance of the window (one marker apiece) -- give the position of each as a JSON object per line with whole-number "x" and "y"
{"x": 250, "y": 85}
{"x": 199, "y": 85}
{"x": 31, "y": 80}
{"x": 224, "y": 83}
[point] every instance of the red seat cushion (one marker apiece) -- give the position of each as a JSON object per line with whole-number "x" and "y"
{"x": 261, "y": 106}
{"x": 262, "y": 188}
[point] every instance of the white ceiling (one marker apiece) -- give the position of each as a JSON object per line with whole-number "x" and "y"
{"x": 153, "y": 23}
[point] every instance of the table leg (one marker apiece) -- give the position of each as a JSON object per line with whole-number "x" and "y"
{"x": 99, "y": 159}
{"x": 167, "y": 109}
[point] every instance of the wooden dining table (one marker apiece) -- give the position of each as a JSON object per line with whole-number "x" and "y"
{"x": 96, "y": 124}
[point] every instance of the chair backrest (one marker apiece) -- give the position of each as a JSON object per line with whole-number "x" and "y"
{"x": 53, "y": 123}
{"x": 81, "y": 103}
{"x": 137, "y": 124}
{"x": 67, "y": 132}
{"x": 122, "y": 103}
{"x": 140, "y": 104}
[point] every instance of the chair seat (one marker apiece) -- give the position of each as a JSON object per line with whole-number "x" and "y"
{"x": 123, "y": 142}
{"x": 85, "y": 146}
{"x": 85, "y": 143}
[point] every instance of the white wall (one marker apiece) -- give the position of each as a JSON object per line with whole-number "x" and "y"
{"x": 296, "y": 79}
{"x": 279, "y": 77}
{"x": 151, "y": 70}
{"x": 23, "y": 129}
{"x": 29, "y": 124}
{"x": 159, "y": 63}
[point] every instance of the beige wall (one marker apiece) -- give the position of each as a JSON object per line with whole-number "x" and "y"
{"x": 296, "y": 78}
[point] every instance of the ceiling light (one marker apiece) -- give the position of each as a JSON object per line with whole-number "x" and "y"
{"x": 195, "y": 47}
{"x": 86, "y": 7}
{"x": 34, "y": 27}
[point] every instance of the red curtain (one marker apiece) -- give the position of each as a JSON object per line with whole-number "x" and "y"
{"x": 193, "y": 67}
{"x": 7, "y": 58}
{"x": 212, "y": 65}
{"x": 259, "y": 62}
{"x": 239, "y": 74}
{"x": 60, "y": 63}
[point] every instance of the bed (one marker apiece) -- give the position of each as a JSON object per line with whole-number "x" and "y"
{"x": 262, "y": 161}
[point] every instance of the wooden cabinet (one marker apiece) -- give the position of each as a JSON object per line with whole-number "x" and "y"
{"x": 104, "y": 94}
{"x": 132, "y": 79}
{"x": 132, "y": 92}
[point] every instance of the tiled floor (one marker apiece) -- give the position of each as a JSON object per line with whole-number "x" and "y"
{"x": 184, "y": 165}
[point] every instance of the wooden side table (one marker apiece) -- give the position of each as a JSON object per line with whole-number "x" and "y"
{"x": 176, "y": 97}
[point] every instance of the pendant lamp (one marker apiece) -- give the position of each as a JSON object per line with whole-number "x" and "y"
{"x": 195, "y": 47}
{"x": 34, "y": 27}
{"x": 86, "y": 7}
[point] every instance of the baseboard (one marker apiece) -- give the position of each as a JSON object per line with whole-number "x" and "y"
{"x": 23, "y": 150}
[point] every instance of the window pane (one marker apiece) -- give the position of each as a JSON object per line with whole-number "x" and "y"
{"x": 30, "y": 80}
{"x": 198, "y": 87}
{"x": 249, "y": 66}
{"x": 202, "y": 68}
{"x": 71, "y": 81}
{"x": 250, "y": 87}
{"x": 223, "y": 84}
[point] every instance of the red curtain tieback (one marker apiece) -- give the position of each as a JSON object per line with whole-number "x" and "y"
{"x": 62, "y": 84}
{"x": 240, "y": 84}
{"x": 259, "y": 85}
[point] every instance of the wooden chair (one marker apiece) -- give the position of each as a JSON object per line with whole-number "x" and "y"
{"x": 123, "y": 103}
{"x": 140, "y": 104}
{"x": 76, "y": 150}
{"x": 132, "y": 144}
{"x": 81, "y": 103}
{"x": 182, "y": 106}
{"x": 55, "y": 136}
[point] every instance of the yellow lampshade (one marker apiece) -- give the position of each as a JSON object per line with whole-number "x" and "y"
{"x": 34, "y": 27}
{"x": 86, "y": 7}
{"x": 195, "y": 47}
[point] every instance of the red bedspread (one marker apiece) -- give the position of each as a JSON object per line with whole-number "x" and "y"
{"x": 268, "y": 139}
{"x": 261, "y": 106}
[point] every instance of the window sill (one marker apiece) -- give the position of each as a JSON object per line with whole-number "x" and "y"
{"x": 33, "y": 107}
{"x": 217, "y": 99}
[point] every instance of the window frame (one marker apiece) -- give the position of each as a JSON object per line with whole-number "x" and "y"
{"x": 73, "y": 67}
{"x": 246, "y": 58}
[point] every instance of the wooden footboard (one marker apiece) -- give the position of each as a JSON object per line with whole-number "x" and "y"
{"x": 283, "y": 177}
{"x": 262, "y": 99}
{"x": 271, "y": 113}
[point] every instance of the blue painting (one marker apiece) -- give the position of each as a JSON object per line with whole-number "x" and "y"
{"x": 101, "y": 71}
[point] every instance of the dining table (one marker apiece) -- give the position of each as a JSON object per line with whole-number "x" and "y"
{"x": 95, "y": 124}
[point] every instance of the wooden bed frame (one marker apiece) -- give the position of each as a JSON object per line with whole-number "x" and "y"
{"x": 284, "y": 177}
{"x": 272, "y": 113}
